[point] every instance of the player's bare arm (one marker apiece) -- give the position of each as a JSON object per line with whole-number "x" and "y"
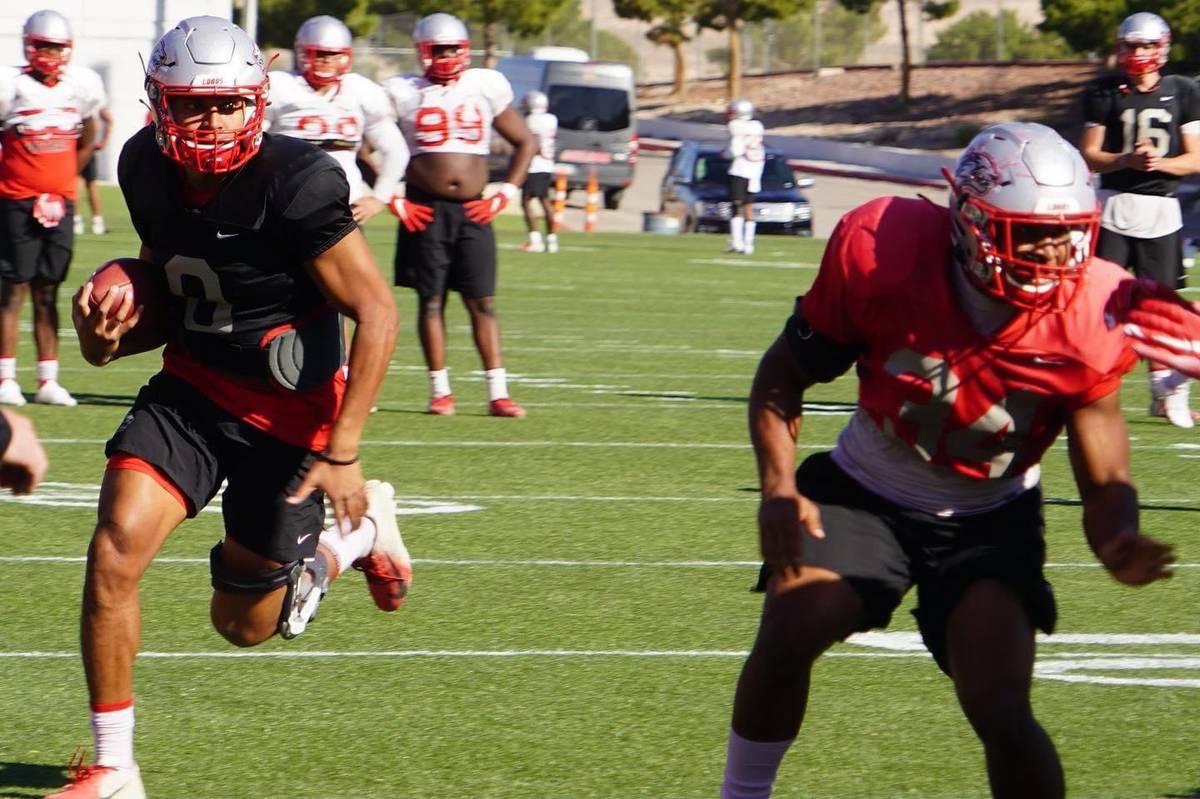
{"x": 87, "y": 142}
{"x": 1187, "y": 162}
{"x": 22, "y": 461}
{"x": 775, "y": 410}
{"x": 349, "y": 278}
{"x": 1099, "y": 453}
{"x": 1091, "y": 145}
{"x": 509, "y": 124}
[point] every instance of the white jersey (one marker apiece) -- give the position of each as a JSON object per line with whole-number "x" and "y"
{"x": 41, "y": 126}
{"x": 451, "y": 117}
{"x": 545, "y": 127}
{"x": 746, "y": 150}
{"x": 337, "y": 120}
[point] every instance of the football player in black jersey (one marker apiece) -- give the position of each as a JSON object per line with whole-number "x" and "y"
{"x": 1141, "y": 134}
{"x": 261, "y": 255}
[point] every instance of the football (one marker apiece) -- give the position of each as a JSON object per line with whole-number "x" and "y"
{"x": 149, "y": 286}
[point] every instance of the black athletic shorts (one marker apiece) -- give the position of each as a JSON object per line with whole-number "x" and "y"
{"x": 537, "y": 185}
{"x": 881, "y": 549}
{"x": 1159, "y": 259}
{"x": 29, "y": 251}
{"x": 739, "y": 189}
{"x": 89, "y": 170}
{"x": 174, "y": 427}
{"x": 451, "y": 253}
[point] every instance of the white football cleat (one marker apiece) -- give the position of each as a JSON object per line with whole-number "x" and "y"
{"x": 10, "y": 393}
{"x": 103, "y": 782}
{"x": 51, "y": 393}
{"x": 748, "y": 249}
{"x": 98, "y": 226}
{"x": 78, "y": 227}
{"x": 388, "y": 567}
{"x": 1175, "y": 407}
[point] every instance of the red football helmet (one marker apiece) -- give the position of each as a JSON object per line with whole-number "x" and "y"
{"x": 1022, "y": 181}
{"x": 441, "y": 30}
{"x": 47, "y": 28}
{"x": 320, "y": 35}
{"x": 1148, "y": 33}
{"x": 206, "y": 57}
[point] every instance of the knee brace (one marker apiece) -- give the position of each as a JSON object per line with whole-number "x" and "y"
{"x": 306, "y": 583}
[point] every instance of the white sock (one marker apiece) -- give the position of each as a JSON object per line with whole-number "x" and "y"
{"x": 1158, "y": 383}
{"x": 749, "y": 234}
{"x": 439, "y": 382}
{"x": 8, "y": 368}
{"x": 552, "y": 238}
{"x": 112, "y": 731}
{"x": 348, "y": 547}
{"x": 535, "y": 238}
{"x": 736, "y": 226}
{"x": 497, "y": 383}
{"x": 750, "y": 767}
{"x": 47, "y": 369}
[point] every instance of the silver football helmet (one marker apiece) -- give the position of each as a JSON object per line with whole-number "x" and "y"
{"x": 47, "y": 29}
{"x": 1018, "y": 183}
{"x": 739, "y": 108}
{"x": 442, "y": 30}
{"x": 535, "y": 102}
{"x": 207, "y": 57}
{"x": 1144, "y": 30}
{"x": 327, "y": 36}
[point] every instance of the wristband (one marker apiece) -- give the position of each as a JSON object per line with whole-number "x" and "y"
{"x": 325, "y": 457}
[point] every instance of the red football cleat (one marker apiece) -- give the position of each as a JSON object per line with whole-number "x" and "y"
{"x": 101, "y": 782}
{"x": 505, "y": 407}
{"x": 388, "y": 568}
{"x": 442, "y": 406}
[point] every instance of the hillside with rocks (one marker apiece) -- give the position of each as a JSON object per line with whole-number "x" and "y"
{"x": 948, "y": 106}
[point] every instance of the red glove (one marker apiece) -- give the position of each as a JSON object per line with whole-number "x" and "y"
{"x": 484, "y": 210}
{"x": 49, "y": 209}
{"x": 414, "y": 216}
{"x": 1163, "y": 326}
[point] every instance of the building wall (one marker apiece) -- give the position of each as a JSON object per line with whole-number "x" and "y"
{"x": 110, "y": 35}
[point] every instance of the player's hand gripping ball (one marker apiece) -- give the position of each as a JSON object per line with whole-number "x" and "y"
{"x": 148, "y": 284}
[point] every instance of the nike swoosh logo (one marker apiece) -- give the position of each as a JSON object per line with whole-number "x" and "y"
{"x": 303, "y": 538}
{"x": 1168, "y": 97}
{"x": 221, "y": 235}
{"x": 1050, "y": 361}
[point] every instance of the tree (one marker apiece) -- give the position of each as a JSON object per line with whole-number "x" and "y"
{"x": 788, "y": 43}
{"x": 519, "y": 17}
{"x": 670, "y": 18}
{"x": 930, "y": 9}
{"x": 729, "y": 15}
{"x": 279, "y": 19}
{"x": 1091, "y": 25}
{"x": 973, "y": 38}
{"x": 568, "y": 28}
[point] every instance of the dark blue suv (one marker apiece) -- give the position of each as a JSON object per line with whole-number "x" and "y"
{"x": 695, "y": 189}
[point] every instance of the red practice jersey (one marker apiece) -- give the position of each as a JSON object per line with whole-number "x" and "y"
{"x": 984, "y": 406}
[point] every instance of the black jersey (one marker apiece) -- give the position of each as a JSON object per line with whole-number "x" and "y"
{"x": 1129, "y": 116}
{"x": 236, "y": 266}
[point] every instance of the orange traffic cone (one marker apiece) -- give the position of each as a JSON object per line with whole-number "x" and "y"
{"x": 593, "y": 202}
{"x": 560, "y": 199}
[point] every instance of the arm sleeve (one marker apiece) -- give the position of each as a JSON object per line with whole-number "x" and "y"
{"x": 384, "y": 136}
{"x": 318, "y": 215}
{"x": 5, "y": 435}
{"x": 737, "y": 142}
{"x": 828, "y": 306}
{"x": 497, "y": 90}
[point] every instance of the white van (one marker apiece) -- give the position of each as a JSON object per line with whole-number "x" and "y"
{"x": 595, "y": 102}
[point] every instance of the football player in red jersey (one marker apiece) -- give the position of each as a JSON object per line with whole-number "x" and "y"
{"x": 978, "y": 335}
{"x": 1142, "y": 134}
{"x": 47, "y": 112}
{"x": 261, "y": 255}
{"x": 445, "y": 239}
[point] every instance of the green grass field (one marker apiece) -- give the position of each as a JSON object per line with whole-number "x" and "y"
{"x": 581, "y": 602}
